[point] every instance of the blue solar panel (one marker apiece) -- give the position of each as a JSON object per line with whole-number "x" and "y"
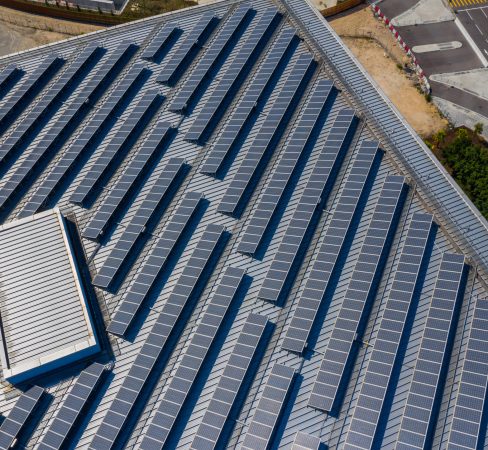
{"x": 271, "y": 403}
{"x": 325, "y": 263}
{"x": 181, "y": 58}
{"x": 18, "y": 417}
{"x": 247, "y": 106}
{"x": 305, "y": 441}
{"x": 210, "y": 432}
{"x": 92, "y": 133}
{"x": 193, "y": 358}
{"x": 123, "y": 190}
{"x": 238, "y": 70}
{"x": 281, "y": 272}
{"x": 160, "y": 41}
{"x": 8, "y": 76}
{"x": 359, "y": 295}
{"x": 226, "y": 38}
{"x": 194, "y": 275}
{"x": 467, "y": 431}
{"x": 154, "y": 265}
{"x": 245, "y": 180}
{"x": 49, "y": 103}
{"x": 117, "y": 148}
{"x": 25, "y": 93}
{"x": 282, "y": 174}
{"x": 72, "y": 408}
{"x": 141, "y": 224}
{"x": 367, "y": 414}
{"x": 429, "y": 374}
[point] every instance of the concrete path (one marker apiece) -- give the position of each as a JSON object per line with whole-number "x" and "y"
{"x": 424, "y": 12}
{"x": 460, "y": 97}
{"x": 472, "y": 81}
{"x": 426, "y": 48}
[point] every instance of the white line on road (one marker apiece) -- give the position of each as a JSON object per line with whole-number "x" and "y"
{"x": 473, "y": 45}
{"x": 479, "y": 29}
{"x": 483, "y": 11}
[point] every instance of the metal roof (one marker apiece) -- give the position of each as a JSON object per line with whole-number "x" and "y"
{"x": 154, "y": 223}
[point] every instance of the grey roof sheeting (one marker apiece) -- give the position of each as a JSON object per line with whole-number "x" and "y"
{"x": 192, "y": 292}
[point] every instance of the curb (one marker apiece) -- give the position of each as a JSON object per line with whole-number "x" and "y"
{"x": 423, "y": 79}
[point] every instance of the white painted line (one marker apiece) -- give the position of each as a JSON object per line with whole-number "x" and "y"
{"x": 473, "y": 45}
{"x": 470, "y": 16}
{"x": 479, "y": 29}
{"x": 483, "y": 11}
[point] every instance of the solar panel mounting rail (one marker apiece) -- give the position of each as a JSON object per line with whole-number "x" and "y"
{"x": 283, "y": 173}
{"x": 154, "y": 265}
{"x": 363, "y": 430}
{"x": 248, "y": 173}
{"x": 335, "y": 240}
{"x": 247, "y": 107}
{"x": 168, "y": 324}
{"x": 281, "y": 272}
{"x": 178, "y": 391}
{"x": 359, "y": 296}
{"x": 230, "y": 81}
{"x": 160, "y": 41}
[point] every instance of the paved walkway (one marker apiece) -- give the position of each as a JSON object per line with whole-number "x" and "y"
{"x": 424, "y": 12}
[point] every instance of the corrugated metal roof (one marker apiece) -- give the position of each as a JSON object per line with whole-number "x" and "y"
{"x": 461, "y": 229}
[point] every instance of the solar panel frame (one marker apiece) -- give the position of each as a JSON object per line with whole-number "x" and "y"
{"x": 315, "y": 194}
{"x": 244, "y": 181}
{"x": 363, "y": 427}
{"x": 194, "y": 274}
{"x": 283, "y": 173}
{"x": 186, "y": 374}
{"x": 155, "y": 264}
{"x": 160, "y": 40}
{"x": 9, "y": 75}
{"x": 305, "y": 441}
{"x": 359, "y": 295}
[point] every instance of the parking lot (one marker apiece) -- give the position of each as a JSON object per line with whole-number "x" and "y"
{"x": 475, "y": 20}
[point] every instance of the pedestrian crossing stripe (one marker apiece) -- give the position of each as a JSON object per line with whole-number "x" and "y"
{"x": 462, "y": 3}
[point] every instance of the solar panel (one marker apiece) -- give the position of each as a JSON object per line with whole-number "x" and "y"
{"x": 8, "y": 76}
{"x": 267, "y": 137}
{"x": 210, "y": 433}
{"x": 428, "y": 379}
{"x": 325, "y": 263}
{"x": 282, "y": 174}
{"x": 72, "y": 408}
{"x": 194, "y": 275}
{"x": 193, "y": 358}
{"x": 141, "y": 224}
{"x": 305, "y": 441}
{"x": 377, "y": 380}
{"x": 156, "y": 262}
{"x": 57, "y": 134}
{"x": 49, "y": 103}
{"x": 171, "y": 72}
{"x": 92, "y": 133}
{"x": 234, "y": 75}
{"x": 467, "y": 431}
{"x": 225, "y": 39}
{"x": 281, "y": 273}
{"x": 160, "y": 41}
{"x": 359, "y": 295}
{"x": 270, "y": 406}
{"x": 123, "y": 190}
{"x": 25, "y": 93}
{"x": 247, "y": 107}
{"x": 117, "y": 148}
{"x": 19, "y": 415}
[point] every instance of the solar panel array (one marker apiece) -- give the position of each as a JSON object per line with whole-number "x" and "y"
{"x": 19, "y": 416}
{"x": 210, "y": 431}
{"x": 225, "y": 38}
{"x": 313, "y": 197}
{"x": 140, "y": 225}
{"x": 84, "y": 142}
{"x": 76, "y": 402}
{"x": 193, "y": 276}
{"x": 370, "y": 404}
{"x": 196, "y": 38}
{"x": 335, "y": 239}
{"x": 247, "y": 106}
{"x": 362, "y": 288}
{"x": 188, "y": 370}
{"x": 270, "y": 406}
{"x": 234, "y": 75}
{"x": 160, "y": 41}
{"x": 283, "y": 173}
{"x": 7, "y": 75}
{"x": 304, "y": 441}
{"x": 467, "y": 428}
{"x": 422, "y": 402}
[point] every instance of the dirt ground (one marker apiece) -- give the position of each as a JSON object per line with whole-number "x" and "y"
{"x": 372, "y": 43}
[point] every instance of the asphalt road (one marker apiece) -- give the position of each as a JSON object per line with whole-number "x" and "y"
{"x": 475, "y": 20}
{"x": 462, "y": 98}
{"x": 392, "y": 8}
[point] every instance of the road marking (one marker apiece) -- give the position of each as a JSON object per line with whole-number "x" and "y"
{"x": 479, "y": 29}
